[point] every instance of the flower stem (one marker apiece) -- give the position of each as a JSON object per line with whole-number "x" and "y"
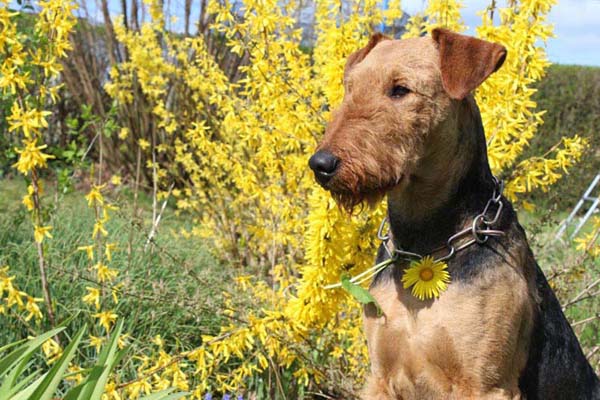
{"x": 40, "y": 250}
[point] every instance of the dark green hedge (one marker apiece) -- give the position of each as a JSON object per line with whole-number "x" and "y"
{"x": 571, "y": 96}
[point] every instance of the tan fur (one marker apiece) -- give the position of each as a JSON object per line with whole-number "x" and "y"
{"x": 471, "y": 343}
{"x": 413, "y": 131}
{"x": 367, "y": 121}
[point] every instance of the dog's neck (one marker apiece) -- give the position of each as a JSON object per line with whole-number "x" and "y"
{"x": 453, "y": 184}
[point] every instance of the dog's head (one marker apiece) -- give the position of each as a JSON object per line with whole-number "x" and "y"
{"x": 399, "y": 94}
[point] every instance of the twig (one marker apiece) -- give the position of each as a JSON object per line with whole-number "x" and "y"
{"x": 90, "y": 146}
{"x": 156, "y": 221}
{"x": 586, "y": 320}
{"x": 136, "y": 189}
{"x": 277, "y": 377}
{"x": 592, "y": 352}
{"x": 580, "y": 295}
{"x": 154, "y": 181}
{"x": 40, "y": 251}
{"x": 323, "y": 395}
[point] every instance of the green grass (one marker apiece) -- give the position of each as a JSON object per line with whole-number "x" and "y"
{"x": 173, "y": 289}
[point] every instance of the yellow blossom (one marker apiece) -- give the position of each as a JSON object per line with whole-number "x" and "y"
{"x": 116, "y": 180}
{"x": 106, "y": 319}
{"x": 52, "y": 350}
{"x": 111, "y": 392}
{"x": 74, "y": 374}
{"x": 29, "y": 122}
{"x": 92, "y": 297}
{"x": 40, "y": 232}
{"x": 123, "y": 340}
{"x": 89, "y": 250}
{"x": 94, "y": 197}
{"x": 104, "y": 273}
{"x": 30, "y": 157}
{"x": 427, "y": 278}
{"x": 99, "y": 227}
{"x": 96, "y": 341}
{"x": 144, "y": 144}
{"x": 32, "y": 308}
{"x": 108, "y": 249}
{"x": 28, "y": 202}
{"x": 123, "y": 133}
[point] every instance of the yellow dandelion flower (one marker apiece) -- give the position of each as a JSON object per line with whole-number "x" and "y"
{"x": 40, "y": 232}
{"x": 427, "y": 277}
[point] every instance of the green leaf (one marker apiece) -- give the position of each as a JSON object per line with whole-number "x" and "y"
{"x": 46, "y": 389}
{"x": 17, "y": 391}
{"x": 10, "y": 345}
{"x": 361, "y": 294}
{"x": 15, "y": 362}
{"x": 26, "y": 393}
{"x": 92, "y": 387}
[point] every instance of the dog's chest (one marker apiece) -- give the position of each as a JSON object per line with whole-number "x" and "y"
{"x": 465, "y": 338}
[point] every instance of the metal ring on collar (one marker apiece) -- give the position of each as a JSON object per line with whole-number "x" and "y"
{"x": 477, "y": 230}
{"x": 380, "y": 234}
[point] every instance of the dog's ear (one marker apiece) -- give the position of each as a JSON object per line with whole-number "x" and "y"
{"x": 360, "y": 55}
{"x": 466, "y": 61}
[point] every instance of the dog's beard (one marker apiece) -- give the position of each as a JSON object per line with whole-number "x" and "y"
{"x": 354, "y": 196}
{"x": 354, "y": 203}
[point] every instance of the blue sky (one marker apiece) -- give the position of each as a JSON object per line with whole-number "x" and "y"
{"x": 576, "y": 26}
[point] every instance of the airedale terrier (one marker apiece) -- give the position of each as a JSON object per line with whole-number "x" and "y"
{"x": 409, "y": 128}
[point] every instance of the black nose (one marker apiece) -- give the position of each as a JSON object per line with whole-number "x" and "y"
{"x": 324, "y": 165}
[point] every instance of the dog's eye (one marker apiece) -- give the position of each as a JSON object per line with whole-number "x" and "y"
{"x": 398, "y": 91}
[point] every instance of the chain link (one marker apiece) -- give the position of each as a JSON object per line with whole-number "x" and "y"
{"x": 480, "y": 230}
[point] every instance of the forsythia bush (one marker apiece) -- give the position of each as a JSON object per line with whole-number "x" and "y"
{"x": 29, "y": 70}
{"x": 236, "y": 151}
{"x": 244, "y": 146}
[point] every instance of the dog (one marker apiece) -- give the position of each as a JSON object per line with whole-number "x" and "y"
{"x": 409, "y": 129}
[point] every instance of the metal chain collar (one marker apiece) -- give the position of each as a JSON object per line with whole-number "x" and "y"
{"x": 480, "y": 231}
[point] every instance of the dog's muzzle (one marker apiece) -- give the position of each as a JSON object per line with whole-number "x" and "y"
{"x": 324, "y": 165}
